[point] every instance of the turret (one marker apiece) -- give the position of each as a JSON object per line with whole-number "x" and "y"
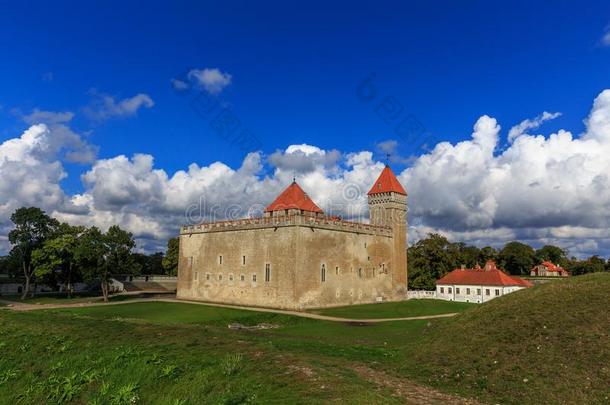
{"x": 388, "y": 207}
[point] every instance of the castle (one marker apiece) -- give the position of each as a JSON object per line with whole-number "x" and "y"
{"x": 296, "y": 257}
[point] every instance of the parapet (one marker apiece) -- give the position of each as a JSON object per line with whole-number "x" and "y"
{"x": 330, "y": 223}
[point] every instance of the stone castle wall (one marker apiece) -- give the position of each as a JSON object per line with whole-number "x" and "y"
{"x": 313, "y": 262}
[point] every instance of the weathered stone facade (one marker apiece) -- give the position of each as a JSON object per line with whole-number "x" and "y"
{"x": 297, "y": 259}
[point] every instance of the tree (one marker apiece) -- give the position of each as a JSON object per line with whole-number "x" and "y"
{"x": 487, "y": 253}
{"x": 57, "y": 256}
{"x": 148, "y": 264}
{"x": 32, "y": 227}
{"x": 517, "y": 258}
{"x": 170, "y": 261}
{"x": 553, "y": 254}
{"x": 104, "y": 254}
{"x": 430, "y": 259}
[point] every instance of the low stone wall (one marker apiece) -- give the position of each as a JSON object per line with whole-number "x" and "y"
{"x": 421, "y": 294}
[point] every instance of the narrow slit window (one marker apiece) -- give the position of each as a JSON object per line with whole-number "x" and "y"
{"x": 243, "y": 260}
{"x": 220, "y": 259}
{"x": 267, "y": 272}
{"x": 323, "y": 273}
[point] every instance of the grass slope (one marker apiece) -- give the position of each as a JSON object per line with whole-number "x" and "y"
{"x": 548, "y": 344}
{"x": 400, "y": 309}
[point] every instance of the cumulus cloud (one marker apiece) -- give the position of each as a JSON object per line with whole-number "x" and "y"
{"x": 211, "y": 79}
{"x": 535, "y": 187}
{"x": 104, "y": 106}
{"x": 528, "y": 124}
{"x": 299, "y": 159}
{"x": 540, "y": 189}
{"x": 605, "y": 40}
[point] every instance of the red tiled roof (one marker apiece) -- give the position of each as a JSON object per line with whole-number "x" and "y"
{"x": 293, "y": 197}
{"x": 551, "y": 267}
{"x": 386, "y": 183}
{"x": 490, "y": 275}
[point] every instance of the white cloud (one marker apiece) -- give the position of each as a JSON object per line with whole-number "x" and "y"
{"x": 605, "y": 40}
{"x": 534, "y": 123}
{"x": 540, "y": 189}
{"x": 211, "y": 79}
{"x": 536, "y": 186}
{"x": 178, "y": 84}
{"x": 104, "y": 106}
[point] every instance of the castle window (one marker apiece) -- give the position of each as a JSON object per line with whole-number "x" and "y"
{"x": 487, "y": 291}
{"x": 497, "y": 293}
{"x": 373, "y": 269}
{"x": 267, "y": 272}
{"x": 360, "y": 272}
{"x": 365, "y": 245}
{"x": 231, "y": 277}
{"x": 442, "y": 290}
{"x": 243, "y": 260}
{"x": 337, "y": 270}
{"x": 449, "y": 290}
{"x": 323, "y": 273}
{"x": 242, "y": 277}
{"x": 219, "y": 277}
{"x": 468, "y": 291}
{"x": 207, "y": 276}
{"x": 195, "y": 275}
{"x": 254, "y": 278}
{"x": 220, "y": 259}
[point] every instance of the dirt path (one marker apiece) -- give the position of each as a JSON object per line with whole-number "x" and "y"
{"x": 20, "y": 306}
{"x": 410, "y": 392}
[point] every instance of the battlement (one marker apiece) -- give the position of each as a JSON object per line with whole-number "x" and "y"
{"x": 330, "y": 223}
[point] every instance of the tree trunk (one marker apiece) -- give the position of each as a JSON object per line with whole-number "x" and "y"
{"x": 69, "y": 281}
{"x": 105, "y": 290}
{"x": 26, "y": 288}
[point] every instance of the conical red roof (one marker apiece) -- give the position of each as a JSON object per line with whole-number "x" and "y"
{"x": 386, "y": 183}
{"x": 293, "y": 197}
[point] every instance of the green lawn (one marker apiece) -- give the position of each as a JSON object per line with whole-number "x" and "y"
{"x": 399, "y": 309}
{"x": 546, "y": 344}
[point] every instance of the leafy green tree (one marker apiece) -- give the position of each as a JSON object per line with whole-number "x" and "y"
{"x": 10, "y": 265}
{"x": 170, "y": 261}
{"x": 553, "y": 254}
{"x": 517, "y": 258}
{"x": 430, "y": 259}
{"x": 103, "y": 254}
{"x": 57, "y": 256}
{"x": 32, "y": 227}
{"x": 487, "y": 253}
{"x": 148, "y": 264}
{"x": 466, "y": 255}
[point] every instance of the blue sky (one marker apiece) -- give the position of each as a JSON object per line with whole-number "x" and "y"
{"x": 295, "y": 71}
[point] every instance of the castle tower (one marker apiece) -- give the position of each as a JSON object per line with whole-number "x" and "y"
{"x": 388, "y": 207}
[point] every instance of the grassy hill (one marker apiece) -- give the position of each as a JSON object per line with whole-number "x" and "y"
{"x": 549, "y": 344}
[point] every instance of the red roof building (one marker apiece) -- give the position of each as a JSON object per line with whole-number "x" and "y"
{"x": 293, "y": 197}
{"x": 478, "y": 284}
{"x": 386, "y": 183}
{"x": 548, "y": 269}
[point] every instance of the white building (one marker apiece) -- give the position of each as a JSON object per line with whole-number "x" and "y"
{"x": 478, "y": 284}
